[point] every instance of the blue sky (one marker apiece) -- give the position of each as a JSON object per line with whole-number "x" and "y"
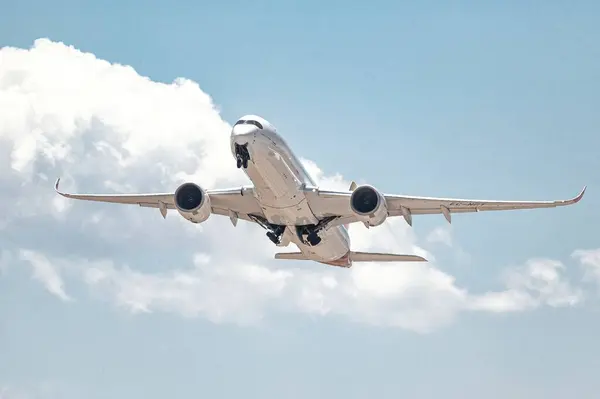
{"x": 459, "y": 99}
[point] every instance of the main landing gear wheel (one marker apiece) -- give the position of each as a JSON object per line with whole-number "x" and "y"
{"x": 313, "y": 239}
{"x": 275, "y": 234}
{"x": 309, "y": 235}
{"x": 273, "y": 237}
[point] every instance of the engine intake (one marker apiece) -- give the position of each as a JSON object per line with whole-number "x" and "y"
{"x": 369, "y": 205}
{"x": 192, "y": 202}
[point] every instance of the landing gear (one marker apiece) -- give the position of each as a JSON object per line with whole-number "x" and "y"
{"x": 242, "y": 155}
{"x": 273, "y": 237}
{"x": 309, "y": 235}
{"x": 276, "y": 233}
{"x": 313, "y": 239}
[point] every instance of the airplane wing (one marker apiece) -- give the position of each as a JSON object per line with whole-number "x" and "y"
{"x": 223, "y": 201}
{"x": 337, "y": 203}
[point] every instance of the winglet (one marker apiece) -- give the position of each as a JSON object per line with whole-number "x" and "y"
{"x": 573, "y": 200}
{"x": 56, "y": 187}
{"x": 353, "y": 186}
{"x": 579, "y": 196}
{"x": 60, "y": 192}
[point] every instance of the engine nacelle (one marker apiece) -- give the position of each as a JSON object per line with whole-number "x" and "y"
{"x": 369, "y": 205}
{"x": 192, "y": 202}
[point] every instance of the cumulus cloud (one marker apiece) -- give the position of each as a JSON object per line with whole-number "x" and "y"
{"x": 539, "y": 282}
{"x": 105, "y": 128}
{"x": 46, "y": 273}
{"x": 590, "y": 260}
{"x": 440, "y": 235}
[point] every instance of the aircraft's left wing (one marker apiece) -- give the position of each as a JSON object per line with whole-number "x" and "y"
{"x": 223, "y": 201}
{"x": 337, "y": 203}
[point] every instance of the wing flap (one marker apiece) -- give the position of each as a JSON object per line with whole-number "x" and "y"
{"x": 227, "y": 212}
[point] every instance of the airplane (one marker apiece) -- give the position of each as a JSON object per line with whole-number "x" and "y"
{"x": 285, "y": 200}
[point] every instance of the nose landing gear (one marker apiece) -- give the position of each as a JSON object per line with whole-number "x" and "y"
{"x": 242, "y": 155}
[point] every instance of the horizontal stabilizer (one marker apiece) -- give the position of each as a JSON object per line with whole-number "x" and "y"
{"x": 383, "y": 257}
{"x": 359, "y": 257}
{"x": 290, "y": 256}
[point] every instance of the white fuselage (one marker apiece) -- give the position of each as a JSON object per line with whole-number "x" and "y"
{"x": 279, "y": 178}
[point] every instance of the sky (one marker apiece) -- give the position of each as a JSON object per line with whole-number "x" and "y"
{"x": 451, "y": 99}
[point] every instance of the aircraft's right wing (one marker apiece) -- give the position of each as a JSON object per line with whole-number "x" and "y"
{"x": 337, "y": 203}
{"x": 223, "y": 201}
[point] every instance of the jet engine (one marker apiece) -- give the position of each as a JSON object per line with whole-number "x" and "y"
{"x": 192, "y": 202}
{"x": 369, "y": 205}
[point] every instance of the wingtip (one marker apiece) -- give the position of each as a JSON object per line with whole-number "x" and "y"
{"x": 56, "y": 188}
{"x": 580, "y": 195}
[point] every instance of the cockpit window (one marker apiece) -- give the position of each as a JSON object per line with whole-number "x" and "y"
{"x": 255, "y": 123}
{"x": 248, "y": 122}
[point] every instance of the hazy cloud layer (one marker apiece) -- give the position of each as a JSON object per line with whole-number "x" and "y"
{"x": 104, "y": 128}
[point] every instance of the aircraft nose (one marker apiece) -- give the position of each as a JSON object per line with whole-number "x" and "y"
{"x": 243, "y": 132}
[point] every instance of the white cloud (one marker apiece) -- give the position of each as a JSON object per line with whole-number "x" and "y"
{"x": 539, "y": 282}
{"x": 440, "y": 235}
{"x": 45, "y": 272}
{"x": 236, "y": 293}
{"x": 590, "y": 260}
{"x": 103, "y": 127}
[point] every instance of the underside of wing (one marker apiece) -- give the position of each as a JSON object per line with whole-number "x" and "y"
{"x": 344, "y": 204}
{"x": 233, "y": 202}
{"x": 398, "y": 205}
{"x": 133, "y": 199}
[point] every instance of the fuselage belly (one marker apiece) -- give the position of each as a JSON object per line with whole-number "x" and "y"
{"x": 279, "y": 178}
